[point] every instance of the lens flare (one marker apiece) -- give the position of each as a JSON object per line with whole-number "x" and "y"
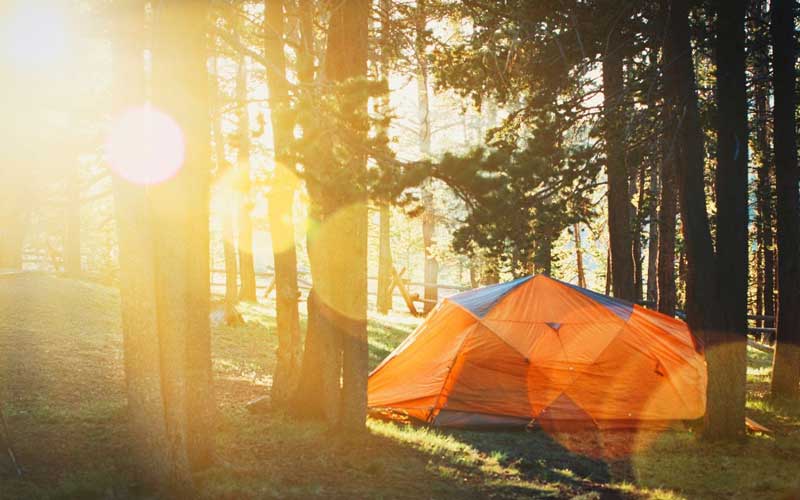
{"x": 33, "y": 36}
{"x": 145, "y": 146}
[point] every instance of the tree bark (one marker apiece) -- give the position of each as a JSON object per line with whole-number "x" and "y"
{"x": 704, "y": 307}
{"x": 576, "y": 229}
{"x": 653, "y": 237}
{"x": 318, "y": 393}
{"x": 180, "y": 206}
{"x": 786, "y": 362}
{"x": 732, "y": 211}
{"x": 281, "y": 200}
{"x": 247, "y": 273}
{"x": 347, "y": 58}
{"x": 431, "y": 270}
{"x": 637, "y": 217}
{"x": 229, "y": 206}
{"x": 764, "y": 161}
{"x": 619, "y": 203}
{"x": 13, "y": 221}
{"x": 72, "y": 226}
{"x": 667, "y": 293}
{"x": 140, "y": 336}
{"x": 384, "y": 260}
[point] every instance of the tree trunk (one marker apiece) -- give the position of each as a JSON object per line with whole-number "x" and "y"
{"x": 280, "y": 210}
{"x": 229, "y": 206}
{"x": 576, "y": 229}
{"x": 619, "y": 203}
{"x": 180, "y": 205}
{"x": 704, "y": 307}
{"x": 384, "y": 260}
{"x": 347, "y": 58}
{"x": 318, "y": 392}
{"x": 786, "y": 363}
{"x": 140, "y": 335}
{"x": 732, "y": 212}
{"x": 72, "y": 226}
{"x": 431, "y": 271}
{"x": 653, "y": 237}
{"x": 637, "y": 216}
{"x": 543, "y": 253}
{"x": 247, "y": 290}
{"x": 13, "y": 221}
{"x": 667, "y": 293}
{"x": 384, "y": 295}
{"x": 764, "y": 161}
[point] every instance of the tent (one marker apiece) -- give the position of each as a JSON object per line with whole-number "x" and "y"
{"x": 537, "y": 351}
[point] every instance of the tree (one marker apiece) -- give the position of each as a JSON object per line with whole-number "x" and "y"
{"x": 431, "y": 270}
{"x": 764, "y": 161}
{"x": 786, "y": 363}
{"x": 247, "y": 273}
{"x": 164, "y": 247}
{"x": 335, "y": 123}
{"x": 704, "y": 304}
{"x": 72, "y": 226}
{"x": 137, "y": 267}
{"x": 384, "y": 295}
{"x": 732, "y": 205}
{"x": 223, "y": 169}
{"x": 281, "y": 199}
{"x": 619, "y": 204}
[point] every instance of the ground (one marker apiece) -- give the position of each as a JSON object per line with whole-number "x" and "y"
{"x": 62, "y": 383}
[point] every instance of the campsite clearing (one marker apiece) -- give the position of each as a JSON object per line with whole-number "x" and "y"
{"x": 62, "y": 380}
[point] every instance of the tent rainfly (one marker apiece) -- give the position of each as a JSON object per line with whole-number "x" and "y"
{"x": 537, "y": 351}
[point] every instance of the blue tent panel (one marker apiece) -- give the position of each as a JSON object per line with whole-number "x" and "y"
{"x": 479, "y": 302}
{"x": 623, "y": 309}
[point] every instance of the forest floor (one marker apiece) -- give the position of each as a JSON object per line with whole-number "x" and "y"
{"x": 62, "y": 382}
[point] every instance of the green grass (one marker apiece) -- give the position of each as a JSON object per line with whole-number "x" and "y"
{"x": 61, "y": 378}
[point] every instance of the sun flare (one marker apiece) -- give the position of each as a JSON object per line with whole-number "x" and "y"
{"x": 145, "y": 146}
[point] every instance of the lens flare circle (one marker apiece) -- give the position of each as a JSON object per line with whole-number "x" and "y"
{"x": 145, "y": 146}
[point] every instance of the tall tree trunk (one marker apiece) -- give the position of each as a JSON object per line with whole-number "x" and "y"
{"x": 137, "y": 268}
{"x": 229, "y": 202}
{"x": 764, "y": 160}
{"x": 280, "y": 209}
{"x": 732, "y": 213}
{"x": 668, "y": 208}
{"x": 543, "y": 253}
{"x": 180, "y": 206}
{"x": 431, "y": 271}
{"x": 14, "y": 216}
{"x": 384, "y": 295}
{"x": 653, "y": 237}
{"x": 347, "y": 58}
{"x": 72, "y": 226}
{"x": 704, "y": 307}
{"x": 637, "y": 216}
{"x": 384, "y": 260}
{"x": 608, "y": 270}
{"x": 619, "y": 203}
{"x": 247, "y": 271}
{"x": 786, "y": 363}
{"x": 576, "y": 229}
{"x": 337, "y": 248}
{"x": 319, "y": 389}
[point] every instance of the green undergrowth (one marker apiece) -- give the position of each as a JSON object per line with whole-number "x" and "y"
{"x": 62, "y": 382}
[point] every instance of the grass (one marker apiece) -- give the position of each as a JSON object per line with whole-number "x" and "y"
{"x": 61, "y": 379}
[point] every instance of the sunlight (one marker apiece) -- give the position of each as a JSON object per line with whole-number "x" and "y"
{"x": 34, "y": 36}
{"x": 145, "y": 146}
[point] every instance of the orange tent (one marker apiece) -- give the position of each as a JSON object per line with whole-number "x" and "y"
{"x": 540, "y": 351}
